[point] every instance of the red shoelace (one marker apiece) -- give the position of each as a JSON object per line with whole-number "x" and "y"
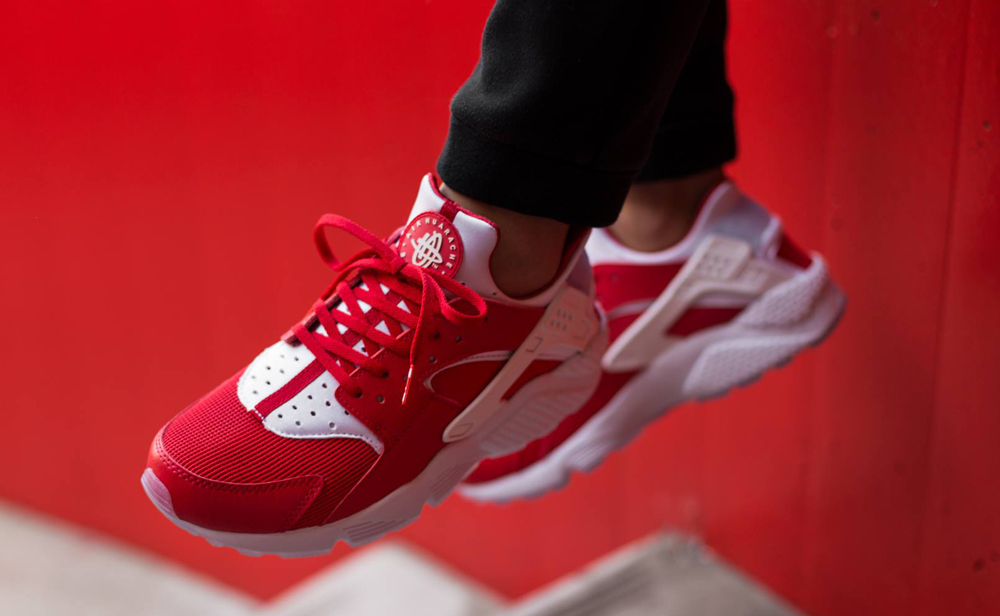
{"x": 379, "y": 266}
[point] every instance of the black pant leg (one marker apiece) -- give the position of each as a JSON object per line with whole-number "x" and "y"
{"x": 559, "y": 115}
{"x": 697, "y": 132}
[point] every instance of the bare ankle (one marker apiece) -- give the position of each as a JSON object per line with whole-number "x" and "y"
{"x": 530, "y": 249}
{"x": 656, "y": 215}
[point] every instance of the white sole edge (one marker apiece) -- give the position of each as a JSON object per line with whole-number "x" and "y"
{"x": 532, "y": 412}
{"x": 705, "y": 365}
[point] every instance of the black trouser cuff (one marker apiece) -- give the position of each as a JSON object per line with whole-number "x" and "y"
{"x": 689, "y": 147}
{"x": 525, "y": 182}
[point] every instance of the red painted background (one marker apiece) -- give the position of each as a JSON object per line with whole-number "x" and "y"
{"x": 161, "y": 167}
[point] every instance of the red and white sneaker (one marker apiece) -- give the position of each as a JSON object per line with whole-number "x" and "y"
{"x": 734, "y": 298}
{"x": 385, "y": 396}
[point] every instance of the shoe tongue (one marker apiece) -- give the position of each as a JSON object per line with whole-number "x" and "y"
{"x": 442, "y": 237}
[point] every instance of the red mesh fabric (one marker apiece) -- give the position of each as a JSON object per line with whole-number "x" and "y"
{"x": 219, "y": 440}
{"x": 620, "y": 283}
{"x": 696, "y": 319}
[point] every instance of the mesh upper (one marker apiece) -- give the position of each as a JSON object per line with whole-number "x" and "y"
{"x": 219, "y": 440}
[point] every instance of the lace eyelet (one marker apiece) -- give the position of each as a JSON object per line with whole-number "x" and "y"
{"x": 385, "y": 375}
{"x": 437, "y": 335}
{"x": 380, "y": 399}
{"x": 358, "y": 395}
{"x": 432, "y": 359}
{"x": 458, "y": 338}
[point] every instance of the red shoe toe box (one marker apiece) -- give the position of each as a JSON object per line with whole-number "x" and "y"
{"x": 223, "y": 470}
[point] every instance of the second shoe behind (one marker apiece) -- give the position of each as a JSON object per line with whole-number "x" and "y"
{"x": 734, "y": 298}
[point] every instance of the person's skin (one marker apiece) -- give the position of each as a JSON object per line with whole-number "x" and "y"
{"x": 655, "y": 216}
{"x": 530, "y": 249}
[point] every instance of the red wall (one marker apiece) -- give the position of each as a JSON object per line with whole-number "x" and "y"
{"x": 160, "y": 170}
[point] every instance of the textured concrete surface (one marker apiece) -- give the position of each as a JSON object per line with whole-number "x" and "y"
{"x": 666, "y": 575}
{"x": 48, "y": 567}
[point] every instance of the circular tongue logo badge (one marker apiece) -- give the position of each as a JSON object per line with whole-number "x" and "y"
{"x": 431, "y": 241}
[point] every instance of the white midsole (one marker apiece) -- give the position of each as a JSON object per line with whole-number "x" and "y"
{"x": 532, "y": 412}
{"x": 703, "y": 365}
